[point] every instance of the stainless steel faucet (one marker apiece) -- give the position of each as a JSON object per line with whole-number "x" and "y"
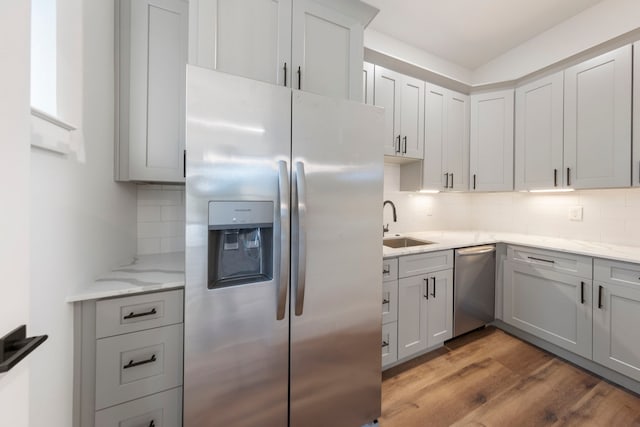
{"x": 385, "y": 228}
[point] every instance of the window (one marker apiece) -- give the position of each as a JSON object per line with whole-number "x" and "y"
{"x": 43, "y": 56}
{"x": 54, "y": 84}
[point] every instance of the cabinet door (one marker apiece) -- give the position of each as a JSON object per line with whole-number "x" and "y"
{"x": 435, "y": 134}
{"x": 412, "y": 117}
{"x": 597, "y": 129}
{"x": 367, "y": 83}
{"x": 327, "y": 51}
{"x": 250, "y": 38}
{"x": 412, "y": 312}
{"x": 157, "y": 65}
{"x": 440, "y": 308}
{"x": 616, "y": 316}
{"x": 553, "y": 306}
{"x": 491, "y": 145}
{"x": 386, "y": 94}
{"x": 456, "y": 149}
{"x": 539, "y": 134}
{"x": 635, "y": 177}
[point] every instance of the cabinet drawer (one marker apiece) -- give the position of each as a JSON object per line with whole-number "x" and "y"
{"x": 136, "y": 313}
{"x": 389, "y": 302}
{"x": 575, "y": 265}
{"x": 413, "y": 265}
{"x": 617, "y": 272}
{"x": 160, "y": 410}
{"x": 390, "y": 269}
{"x": 134, "y": 365}
{"x": 389, "y": 343}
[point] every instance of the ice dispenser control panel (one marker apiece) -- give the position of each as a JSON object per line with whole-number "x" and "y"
{"x": 240, "y": 242}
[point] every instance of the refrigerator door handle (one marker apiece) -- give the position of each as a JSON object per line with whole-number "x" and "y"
{"x": 283, "y": 202}
{"x": 301, "y": 236}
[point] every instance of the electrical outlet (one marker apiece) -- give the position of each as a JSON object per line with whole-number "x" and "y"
{"x": 575, "y": 213}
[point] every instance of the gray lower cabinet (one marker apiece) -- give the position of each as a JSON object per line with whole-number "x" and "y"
{"x": 389, "y": 343}
{"x": 552, "y": 296}
{"x": 550, "y": 305}
{"x": 389, "y": 311}
{"x": 129, "y": 361}
{"x": 425, "y": 302}
{"x": 616, "y": 316}
{"x": 158, "y": 410}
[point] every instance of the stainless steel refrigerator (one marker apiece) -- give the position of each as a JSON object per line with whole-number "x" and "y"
{"x": 283, "y": 249}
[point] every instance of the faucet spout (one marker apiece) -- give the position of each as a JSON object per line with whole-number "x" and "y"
{"x": 393, "y": 207}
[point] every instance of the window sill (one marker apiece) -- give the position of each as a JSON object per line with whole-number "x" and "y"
{"x": 50, "y": 133}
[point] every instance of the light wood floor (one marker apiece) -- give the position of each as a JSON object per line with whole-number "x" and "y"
{"x": 489, "y": 378}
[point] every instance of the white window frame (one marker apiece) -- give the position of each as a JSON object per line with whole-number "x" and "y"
{"x": 49, "y": 130}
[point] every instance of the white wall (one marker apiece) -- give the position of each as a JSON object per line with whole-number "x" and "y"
{"x": 14, "y": 218}
{"x": 412, "y": 55}
{"x": 611, "y": 216}
{"x": 600, "y": 23}
{"x": 82, "y": 222}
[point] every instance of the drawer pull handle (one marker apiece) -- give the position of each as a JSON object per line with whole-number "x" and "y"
{"x": 541, "y": 259}
{"x": 133, "y": 315}
{"x": 386, "y": 270}
{"x": 385, "y": 344}
{"x": 426, "y": 288}
{"x": 385, "y": 301}
{"x": 581, "y": 292}
{"x": 133, "y": 364}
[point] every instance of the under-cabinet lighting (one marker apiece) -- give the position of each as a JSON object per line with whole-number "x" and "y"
{"x": 429, "y": 191}
{"x": 553, "y": 190}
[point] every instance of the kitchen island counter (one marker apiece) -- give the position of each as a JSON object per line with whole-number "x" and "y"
{"x": 145, "y": 273}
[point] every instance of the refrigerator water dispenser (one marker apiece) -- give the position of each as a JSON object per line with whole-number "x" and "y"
{"x": 240, "y": 243}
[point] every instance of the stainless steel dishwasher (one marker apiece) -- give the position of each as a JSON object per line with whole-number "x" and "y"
{"x": 473, "y": 288}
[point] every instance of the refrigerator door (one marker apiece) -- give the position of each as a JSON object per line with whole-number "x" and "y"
{"x": 337, "y": 162}
{"x": 236, "y": 339}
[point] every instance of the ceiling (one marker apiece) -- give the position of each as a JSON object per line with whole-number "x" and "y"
{"x": 470, "y": 33}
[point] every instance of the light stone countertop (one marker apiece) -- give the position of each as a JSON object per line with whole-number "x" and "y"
{"x": 145, "y": 273}
{"x": 459, "y": 239}
{"x": 156, "y": 272}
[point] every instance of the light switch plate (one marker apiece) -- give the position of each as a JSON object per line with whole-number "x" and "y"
{"x": 575, "y": 213}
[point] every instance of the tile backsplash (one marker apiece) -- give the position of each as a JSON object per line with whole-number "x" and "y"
{"x": 161, "y": 218}
{"x": 611, "y": 216}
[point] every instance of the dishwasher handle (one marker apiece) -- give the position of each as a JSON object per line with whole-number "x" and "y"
{"x": 476, "y": 250}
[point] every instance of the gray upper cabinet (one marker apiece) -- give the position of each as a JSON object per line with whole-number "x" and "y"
{"x": 491, "y": 143}
{"x": 597, "y": 113}
{"x": 152, "y": 57}
{"x": 635, "y": 177}
{"x": 312, "y": 45}
{"x": 539, "y": 134}
{"x": 446, "y": 158}
{"x": 247, "y": 38}
{"x": 403, "y": 100}
{"x": 327, "y": 51}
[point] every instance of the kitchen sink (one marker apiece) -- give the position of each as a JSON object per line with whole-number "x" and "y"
{"x": 404, "y": 242}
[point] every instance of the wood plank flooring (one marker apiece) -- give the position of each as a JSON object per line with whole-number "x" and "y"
{"x": 489, "y": 378}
